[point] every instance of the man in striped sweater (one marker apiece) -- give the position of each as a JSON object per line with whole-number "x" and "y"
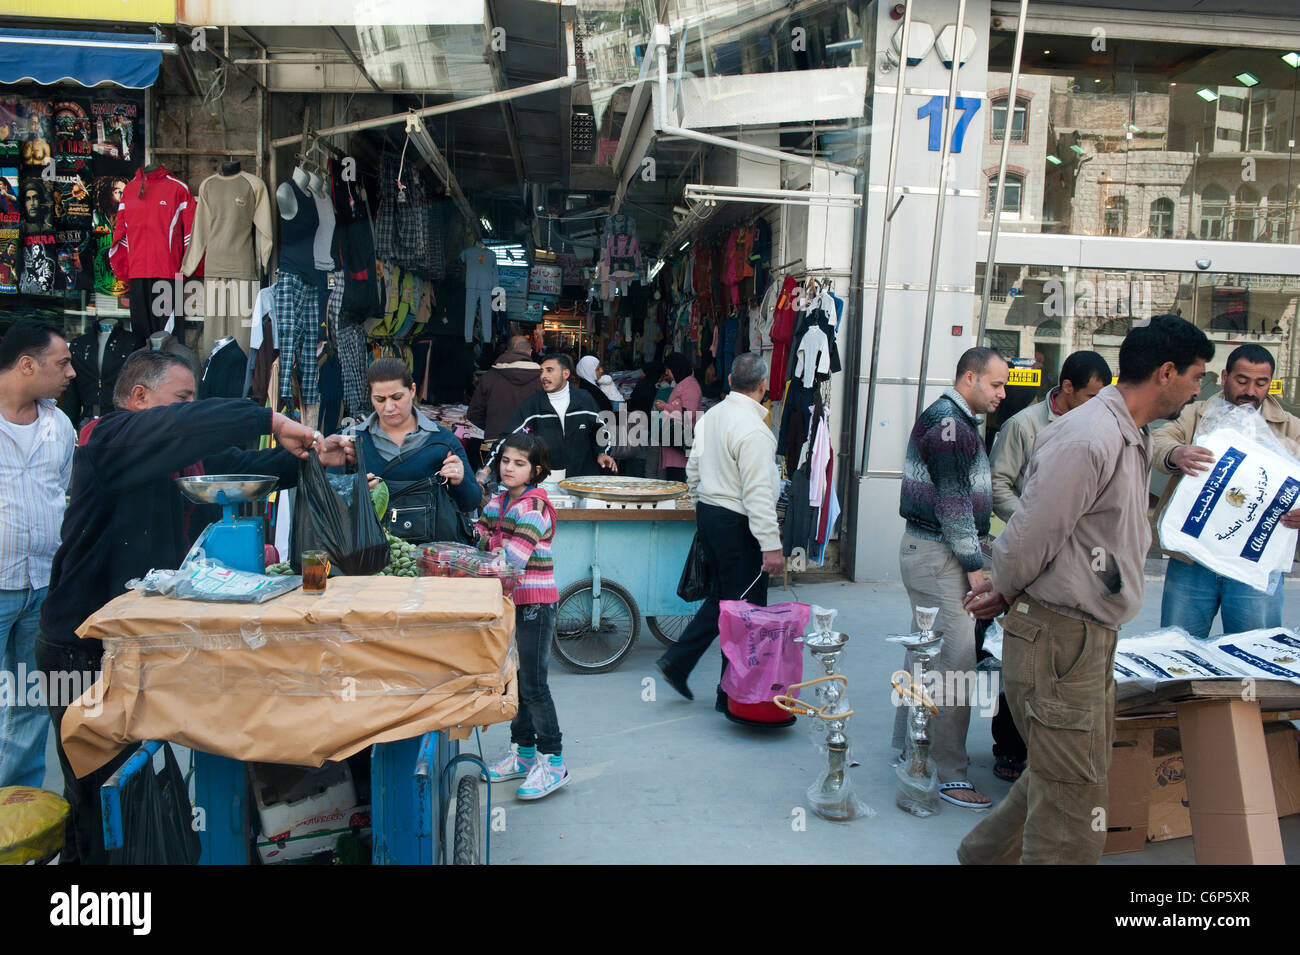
{"x": 946, "y": 500}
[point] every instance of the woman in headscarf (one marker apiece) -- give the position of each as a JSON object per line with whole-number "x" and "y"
{"x": 593, "y": 380}
{"x": 683, "y": 406}
{"x": 642, "y": 402}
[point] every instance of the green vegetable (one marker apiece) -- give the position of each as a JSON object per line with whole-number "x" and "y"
{"x": 379, "y": 497}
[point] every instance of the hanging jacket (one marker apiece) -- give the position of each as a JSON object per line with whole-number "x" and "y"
{"x": 91, "y": 392}
{"x": 153, "y": 229}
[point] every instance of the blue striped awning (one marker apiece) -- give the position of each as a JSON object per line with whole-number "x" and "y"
{"x": 74, "y": 56}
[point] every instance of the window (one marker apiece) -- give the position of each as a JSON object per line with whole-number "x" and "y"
{"x": 1214, "y": 212}
{"x": 1247, "y": 214}
{"x": 1019, "y": 122}
{"x": 1011, "y": 193}
{"x": 1161, "y": 223}
{"x": 1116, "y": 219}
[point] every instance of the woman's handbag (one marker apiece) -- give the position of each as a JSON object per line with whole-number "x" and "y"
{"x": 423, "y": 511}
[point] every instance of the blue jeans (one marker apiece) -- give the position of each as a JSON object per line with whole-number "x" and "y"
{"x": 1194, "y": 594}
{"x": 536, "y": 725}
{"x": 24, "y": 721}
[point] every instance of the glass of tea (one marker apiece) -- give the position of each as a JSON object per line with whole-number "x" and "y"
{"x": 315, "y": 571}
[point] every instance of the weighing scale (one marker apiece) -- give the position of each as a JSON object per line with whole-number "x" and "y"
{"x": 235, "y": 542}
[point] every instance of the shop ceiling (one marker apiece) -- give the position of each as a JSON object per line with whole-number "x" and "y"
{"x": 492, "y": 148}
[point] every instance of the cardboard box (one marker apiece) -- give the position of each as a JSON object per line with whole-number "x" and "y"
{"x": 1128, "y": 788}
{"x": 1169, "y": 812}
{"x": 314, "y": 835}
{"x": 288, "y": 796}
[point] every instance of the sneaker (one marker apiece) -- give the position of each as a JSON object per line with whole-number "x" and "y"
{"x": 544, "y": 779}
{"x": 510, "y": 766}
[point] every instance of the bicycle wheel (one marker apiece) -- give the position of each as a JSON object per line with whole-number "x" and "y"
{"x": 668, "y": 628}
{"x": 584, "y": 649}
{"x": 466, "y": 834}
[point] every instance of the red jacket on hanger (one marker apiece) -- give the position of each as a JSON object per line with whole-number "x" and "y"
{"x": 782, "y": 336}
{"x": 153, "y": 229}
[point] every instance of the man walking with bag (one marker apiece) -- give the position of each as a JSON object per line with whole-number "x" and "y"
{"x": 1068, "y": 572}
{"x": 734, "y": 482}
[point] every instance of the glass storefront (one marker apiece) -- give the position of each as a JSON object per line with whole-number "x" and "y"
{"x": 1160, "y": 140}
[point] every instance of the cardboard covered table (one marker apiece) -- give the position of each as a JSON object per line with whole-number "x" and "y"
{"x": 1230, "y": 789}
{"x": 300, "y": 679}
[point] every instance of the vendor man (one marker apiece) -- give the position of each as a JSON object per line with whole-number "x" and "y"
{"x": 566, "y": 419}
{"x": 126, "y": 516}
{"x": 1193, "y": 593}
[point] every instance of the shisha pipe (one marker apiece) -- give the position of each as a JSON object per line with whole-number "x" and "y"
{"x": 916, "y": 792}
{"x": 831, "y": 796}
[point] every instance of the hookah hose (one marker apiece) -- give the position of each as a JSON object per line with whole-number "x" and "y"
{"x": 910, "y": 693}
{"x": 798, "y": 707}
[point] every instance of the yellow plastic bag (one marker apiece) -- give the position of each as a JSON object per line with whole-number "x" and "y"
{"x": 31, "y": 824}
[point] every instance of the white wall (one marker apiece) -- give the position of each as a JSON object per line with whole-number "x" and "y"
{"x": 879, "y": 526}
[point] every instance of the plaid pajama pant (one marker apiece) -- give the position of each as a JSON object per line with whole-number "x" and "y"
{"x": 352, "y": 356}
{"x": 297, "y": 323}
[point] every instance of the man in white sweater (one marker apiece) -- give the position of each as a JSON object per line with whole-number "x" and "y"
{"x": 734, "y": 484}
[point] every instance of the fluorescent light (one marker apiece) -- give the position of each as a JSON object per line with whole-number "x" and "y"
{"x": 1097, "y": 80}
{"x": 1053, "y": 160}
{"x": 1207, "y": 94}
{"x": 486, "y": 223}
{"x": 1047, "y": 53}
{"x": 1077, "y": 148}
{"x": 1247, "y": 79}
{"x": 1291, "y": 59}
{"x": 682, "y": 247}
{"x": 1134, "y": 129}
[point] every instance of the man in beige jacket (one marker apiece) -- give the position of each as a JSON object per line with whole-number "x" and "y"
{"x": 1193, "y": 593}
{"x": 1068, "y": 572}
{"x": 1083, "y": 374}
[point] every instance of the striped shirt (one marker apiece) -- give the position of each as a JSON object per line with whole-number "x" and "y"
{"x": 524, "y": 531}
{"x": 33, "y": 485}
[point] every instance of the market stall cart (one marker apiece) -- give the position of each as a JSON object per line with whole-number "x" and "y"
{"x": 615, "y": 563}
{"x": 402, "y": 667}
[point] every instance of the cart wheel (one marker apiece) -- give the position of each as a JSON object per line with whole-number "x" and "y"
{"x": 668, "y": 629}
{"x": 465, "y": 848}
{"x": 584, "y": 650}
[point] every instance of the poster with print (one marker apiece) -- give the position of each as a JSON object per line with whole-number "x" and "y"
{"x": 35, "y": 202}
{"x": 71, "y": 195}
{"x": 9, "y": 258}
{"x": 9, "y": 121}
{"x": 71, "y": 130}
{"x": 116, "y": 131}
{"x": 71, "y": 260}
{"x": 36, "y": 134}
{"x": 107, "y": 194}
{"x": 37, "y": 275}
{"x": 8, "y": 196}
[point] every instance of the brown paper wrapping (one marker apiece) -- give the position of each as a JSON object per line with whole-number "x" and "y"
{"x": 300, "y": 679}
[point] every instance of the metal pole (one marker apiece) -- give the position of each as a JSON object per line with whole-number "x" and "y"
{"x": 889, "y": 210}
{"x": 990, "y": 261}
{"x": 948, "y": 115}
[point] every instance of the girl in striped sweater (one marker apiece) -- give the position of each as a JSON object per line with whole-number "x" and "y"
{"x": 521, "y": 522}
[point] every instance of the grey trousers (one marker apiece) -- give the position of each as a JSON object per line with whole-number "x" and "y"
{"x": 933, "y": 578}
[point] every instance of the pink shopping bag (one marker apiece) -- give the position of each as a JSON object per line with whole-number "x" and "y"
{"x": 762, "y": 657}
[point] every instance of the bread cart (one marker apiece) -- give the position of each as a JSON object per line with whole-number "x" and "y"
{"x": 617, "y": 557}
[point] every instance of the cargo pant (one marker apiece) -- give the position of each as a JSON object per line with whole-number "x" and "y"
{"x": 933, "y": 578}
{"x": 1060, "y": 684}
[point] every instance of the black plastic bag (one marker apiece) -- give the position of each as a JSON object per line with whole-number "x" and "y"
{"x": 696, "y": 580}
{"x": 334, "y": 513}
{"x": 157, "y": 818}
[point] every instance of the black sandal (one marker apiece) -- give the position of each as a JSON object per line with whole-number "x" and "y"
{"x": 1008, "y": 768}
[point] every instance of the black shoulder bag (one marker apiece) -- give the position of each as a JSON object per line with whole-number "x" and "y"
{"x": 423, "y": 511}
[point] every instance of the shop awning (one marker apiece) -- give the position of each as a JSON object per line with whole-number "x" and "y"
{"x": 74, "y": 56}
